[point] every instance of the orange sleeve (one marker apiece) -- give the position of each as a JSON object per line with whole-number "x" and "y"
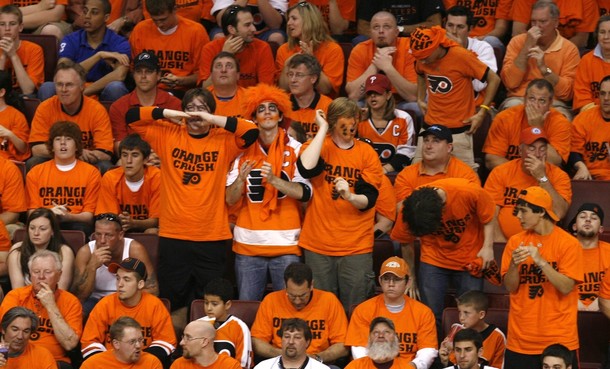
{"x": 155, "y": 191}
{"x": 41, "y": 124}
{"x": 262, "y": 328}
{"x": 583, "y": 91}
{"x": 522, "y": 10}
{"x": 358, "y": 60}
{"x": 560, "y": 134}
{"x": 107, "y": 200}
{"x": 282, "y": 54}
{"x": 590, "y": 16}
{"x": 330, "y": 56}
{"x": 208, "y": 52}
{"x": 386, "y": 202}
{"x": 32, "y": 58}
{"x": 604, "y": 291}
{"x": 494, "y": 347}
{"x": 511, "y": 75}
{"x": 497, "y": 141}
{"x": 400, "y": 231}
{"x": 12, "y": 191}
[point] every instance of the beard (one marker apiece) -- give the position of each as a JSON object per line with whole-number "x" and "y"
{"x": 381, "y": 352}
{"x": 586, "y": 234}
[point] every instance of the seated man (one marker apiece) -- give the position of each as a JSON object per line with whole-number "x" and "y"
{"x": 18, "y": 325}
{"x": 437, "y": 163}
{"x": 506, "y": 181}
{"x": 73, "y": 106}
{"x": 502, "y": 142}
{"x": 176, "y": 41}
{"x": 92, "y": 277}
{"x": 102, "y": 53}
{"x": 320, "y": 309}
{"x": 132, "y": 190}
{"x": 541, "y": 53}
{"x": 255, "y": 58}
{"x": 146, "y": 75}
{"x": 468, "y": 348}
{"x": 416, "y": 324}
{"x": 228, "y": 94}
{"x": 296, "y": 338}
{"x": 270, "y": 16}
{"x": 303, "y": 76}
{"x": 590, "y": 137}
{"x": 66, "y": 185}
{"x": 23, "y": 59}
{"x": 384, "y": 349}
{"x": 130, "y": 300}
{"x": 59, "y": 311}
{"x": 127, "y": 341}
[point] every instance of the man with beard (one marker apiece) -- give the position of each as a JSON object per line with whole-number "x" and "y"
{"x": 587, "y": 227}
{"x": 17, "y": 325}
{"x": 383, "y": 349}
{"x": 159, "y": 338}
{"x": 198, "y": 349}
{"x": 254, "y": 55}
{"x": 468, "y": 345}
{"x": 126, "y": 338}
{"x": 296, "y": 337}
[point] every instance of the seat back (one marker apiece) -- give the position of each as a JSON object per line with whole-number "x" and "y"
{"x": 30, "y": 106}
{"x": 49, "y": 49}
{"x": 588, "y": 191}
{"x": 74, "y": 239}
{"x": 151, "y": 244}
{"x": 594, "y": 335}
{"x": 243, "y": 309}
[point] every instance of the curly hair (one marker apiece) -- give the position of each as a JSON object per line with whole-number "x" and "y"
{"x": 423, "y": 211}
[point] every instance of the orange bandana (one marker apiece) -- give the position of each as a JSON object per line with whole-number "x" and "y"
{"x": 425, "y": 40}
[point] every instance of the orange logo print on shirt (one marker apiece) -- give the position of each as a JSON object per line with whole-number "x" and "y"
{"x": 193, "y": 164}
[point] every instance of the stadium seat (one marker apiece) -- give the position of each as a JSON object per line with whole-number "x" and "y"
{"x": 21, "y": 166}
{"x": 498, "y": 317}
{"x": 588, "y": 191}
{"x": 30, "y": 106}
{"x": 49, "y": 49}
{"x": 74, "y": 239}
{"x": 244, "y": 310}
{"x": 594, "y": 335}
{"x": 150, "y": 242}
{"x": 167, "y": 303}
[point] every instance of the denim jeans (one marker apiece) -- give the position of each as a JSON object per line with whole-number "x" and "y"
{"x": 251, "y": 273}
{"x": 433, "y": 282}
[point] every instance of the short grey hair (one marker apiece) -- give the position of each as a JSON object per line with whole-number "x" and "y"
{"x": 45, "y": 254}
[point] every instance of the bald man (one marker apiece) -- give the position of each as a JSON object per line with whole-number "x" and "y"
{"x": 198, "y": 349}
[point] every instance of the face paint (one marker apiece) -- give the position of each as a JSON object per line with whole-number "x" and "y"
{"x": 346, "y": 127}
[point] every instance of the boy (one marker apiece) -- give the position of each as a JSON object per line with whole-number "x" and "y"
{"x": 232, "y": 334}
{"x": 556, "y": 356}
{"x": 472, "y": 307}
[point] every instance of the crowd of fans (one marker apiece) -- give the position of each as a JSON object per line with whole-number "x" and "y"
{"x": 216, "y": 123}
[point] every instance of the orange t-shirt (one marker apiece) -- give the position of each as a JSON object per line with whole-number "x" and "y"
{"x": 503, "y": 138}
{"x": 222, "y": 362}
{"x": 92, "y": 119}
{"x": 366, "y": 363}
{"x": 150, "y": 312}
{"x": 449, "y": 86}
{"x": 415, "y": 325}
{"x": 255, "y": 62}
{"x": 32, "y": 58}
{"x": 412, "y": 177}
{"x": 596, "y": 263}
{"x": 336, "y": 227}
{"x": 69, "y": 307}
{"x": 13, "y": 120}
{"x": 324, "y": 314}
{"x": 108, "y": 360}
{"x": 386, "y": 204}
{"x": 232, "y": 107}
{"x": 178, "y": 53}
{"x": 307, "y": 115}
{"x": 574, "y": 16}
{"x": 590, "y": 137}
{"x": 188, "y": 9}
{"x": 12, "y": 197}
{"x": 32, "y": 354}
{"x": 562, "y": 57}
{"x": 233, "y": 338}
{"x": 539, "y": 314}
{"x": 116, "y": 197}
{"x": 467, "y": 209}
{"x": 193, "y": 176}
{"x": 77, "y": 188}
{"x": 329, "y": 54}
{"x": 506, "y": 181}
{"x": 591, "y": 70}
{"x": 485, "y": 14}
{"x": 398, "y": 136}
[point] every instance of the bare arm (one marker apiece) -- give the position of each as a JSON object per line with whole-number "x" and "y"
{"x": 355, "y": 88}
{"x": 499, "y": 30}
{"x": 265, "y": 349}
{"x": 14, "y": 266}
{"x": 563, "y": 283}
{"x": 408, "y": 254}
{"x": 511, "y": 278}
{"x": 118, "y": 74}
{"x": 382, "y": 223}
{"x": 41, "y": 150}
{"x": 9, "y": 217}
{"x": 138, "y": 251}
{"x": 492, "y": 161}
{"x": 333, "y": 352}
{"x": 38, "y": 18}
{"x": 65, "y": 335}
{"x": 23, "y": 79}
{"x": 67, "y": 267}
{"x": 271, "y": 16}
{"x": 291, "y": 189}
{"x": 498, "y": 234}
{"x": 336, "y": 22}
{"x": 85, "y": 266}
{"x": 311, "y": 155}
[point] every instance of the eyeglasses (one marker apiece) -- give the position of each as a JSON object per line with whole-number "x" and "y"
{"x": 134, "y": 341}
{"x": 233, "y": 9}
{"x": 111, "y": 217}
{"x": 391, "y": 278}
{"x": 189, "y": 339}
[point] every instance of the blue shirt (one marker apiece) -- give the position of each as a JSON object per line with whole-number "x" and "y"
{"x": 75, "y": 47}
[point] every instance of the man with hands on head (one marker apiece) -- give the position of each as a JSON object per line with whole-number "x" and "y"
{"x": 59, "y": 311}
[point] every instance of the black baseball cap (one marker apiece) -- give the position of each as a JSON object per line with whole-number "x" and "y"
{"x": 588, "y": 206}
{"x": 439, "y": 131}
{"x": 147, "y": 60}
{"x": 131, "y": 265}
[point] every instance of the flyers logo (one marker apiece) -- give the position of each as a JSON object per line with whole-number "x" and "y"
{"x": 385, "y": 151}
{"x": 256, "y": 188}
{"x": 440, "y": 84}
{"x": 190, "y": 177}
{"x": 535, "y": 291}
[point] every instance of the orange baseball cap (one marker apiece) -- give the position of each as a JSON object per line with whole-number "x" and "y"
{"x": 531, "y": 135}
{"x": 540, "y": 197}
{"x": 395, "y": 265}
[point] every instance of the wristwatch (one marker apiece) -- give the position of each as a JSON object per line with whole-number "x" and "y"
{"x": 547, "y": 71}
{"x": 543, "y": 179}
